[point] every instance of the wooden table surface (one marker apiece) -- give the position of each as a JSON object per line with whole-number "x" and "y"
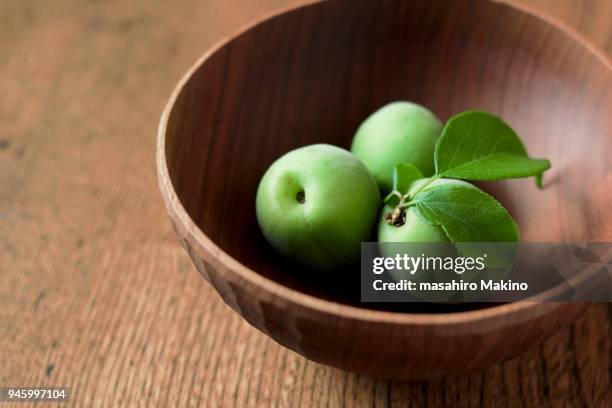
{"x": 96, "y": 294}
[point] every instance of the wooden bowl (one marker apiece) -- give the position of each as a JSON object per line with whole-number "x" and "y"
{"x": 312, "y": 74}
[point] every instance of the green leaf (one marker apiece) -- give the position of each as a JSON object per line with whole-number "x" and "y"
{"x": 469, "y": 215}
{"x": 466, "y": 214}
{"x": 497, "y": 166}
{"x": 476, "y": 145}
{"x": 404, "y": 174}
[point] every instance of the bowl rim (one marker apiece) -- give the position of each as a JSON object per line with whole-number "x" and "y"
{"x": 197, "y": 237}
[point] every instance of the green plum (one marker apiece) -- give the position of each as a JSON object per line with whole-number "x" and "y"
{"x": 316, "y": 204}
{"x": 421, "y": 235}
{"x": 414, "y": 229}
{"x": 400, "y": 132}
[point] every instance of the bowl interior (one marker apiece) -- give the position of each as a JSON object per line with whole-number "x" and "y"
{"x": 313, "y": 74}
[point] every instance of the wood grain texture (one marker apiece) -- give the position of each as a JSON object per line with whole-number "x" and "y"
{"x": 95, "y": 292}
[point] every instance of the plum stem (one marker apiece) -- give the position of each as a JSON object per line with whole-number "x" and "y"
{"x": 397, "y": 216}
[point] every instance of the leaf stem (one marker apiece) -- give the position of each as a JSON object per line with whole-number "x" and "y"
{"x": 397, "y": 194}
{"x": 406, "y": 205}
{"x": 427, "y": 183}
